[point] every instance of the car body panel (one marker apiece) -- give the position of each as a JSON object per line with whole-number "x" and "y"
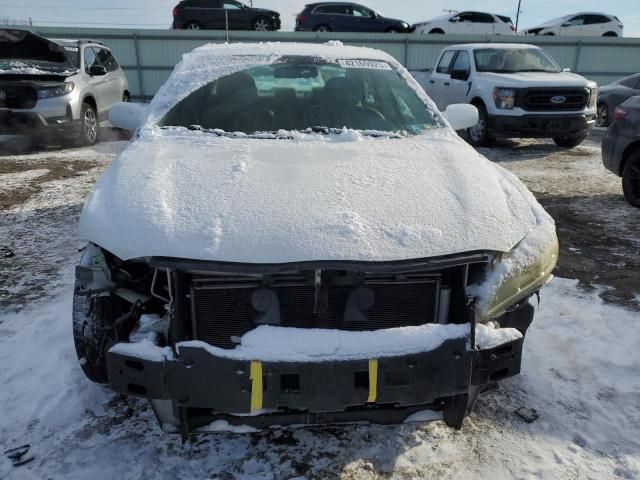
{"x": 213, "y": 15}
{"x": 619, "y": 91}
{"x": 622, "y": 137}
{"x": 353, "y": 18}
{"x": 466, "y": 23}
{"x": 582, "y": 24}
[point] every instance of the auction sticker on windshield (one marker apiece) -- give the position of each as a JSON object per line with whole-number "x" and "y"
{"x": 368, "y": 64}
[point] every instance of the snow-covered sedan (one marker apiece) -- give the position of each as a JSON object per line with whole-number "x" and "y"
{"x": 296, "y": 235}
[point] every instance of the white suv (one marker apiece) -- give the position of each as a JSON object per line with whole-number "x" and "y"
{"x": 468, "y": 23}
{"x": 57, "y": 87}
{"x": 580, "y": 25}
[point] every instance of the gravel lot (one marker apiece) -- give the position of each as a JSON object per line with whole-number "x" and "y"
{"x": 588, "y": 428}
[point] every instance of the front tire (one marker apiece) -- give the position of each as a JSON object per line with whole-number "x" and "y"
{"x": 262, "y": 24}
{"x": 479, "y": 135}
{"x": 569, "y": 141}
{"x": 603, "y": 115}
{"x": 88, "y": 125}
{"x": 322, "y": 28}
{"x": 92, "y": 333}
{"x": 631, "y": 180}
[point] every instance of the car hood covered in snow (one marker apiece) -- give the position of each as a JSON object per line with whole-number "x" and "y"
{"x": 195, "y": 195}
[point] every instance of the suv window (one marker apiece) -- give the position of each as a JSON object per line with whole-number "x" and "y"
{"x": 445, "y": 61}
{"x": 463, "y": 17}
{"x": 594, "y": 19}
{"x": 106, "y": 58}
{"x": 462, "y": 62}
{"x": 231, "y": 5}
{"x": 576, "y": 21}
{"x": 90, "y": 59}
{"x": 359, "y": 11}
{"x": 203, "y": 4}
{"x": 482, "y": 17}
{"x": 334, "y": 9}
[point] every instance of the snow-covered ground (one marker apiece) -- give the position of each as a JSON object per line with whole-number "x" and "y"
{"x": 581, "y": 365}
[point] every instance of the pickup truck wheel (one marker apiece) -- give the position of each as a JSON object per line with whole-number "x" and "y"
{"x": 631, "y": 180}
{"x": 455, "y": 409}
{"x": 479, "y": 135}
{"x": 569, "y": 142}
{"x": 92, "y": 334}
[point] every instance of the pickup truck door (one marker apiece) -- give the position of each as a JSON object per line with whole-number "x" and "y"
{"x": 460, "y": 79}
{"x": 440, "y": 81}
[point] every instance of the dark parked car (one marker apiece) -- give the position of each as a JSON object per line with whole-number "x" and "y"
{"x": 346, "y": 17}
{"x": 621, "y": 148}
{"x": 612, "y": 95}
{"x": 213, "y": 15}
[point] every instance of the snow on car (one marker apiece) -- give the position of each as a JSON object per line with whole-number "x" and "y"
{"x": 297, "y": 235}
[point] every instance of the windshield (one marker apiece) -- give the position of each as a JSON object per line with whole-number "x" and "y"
{"x": 301, "y": 93}
{"x": 512, "y": 60}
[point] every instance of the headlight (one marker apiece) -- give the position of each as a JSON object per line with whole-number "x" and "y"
{"x": 505, "y": 98}
{"x": 517, "y": 279}
{"x": 593, "y": 98}
{"x": 56, "y": 91}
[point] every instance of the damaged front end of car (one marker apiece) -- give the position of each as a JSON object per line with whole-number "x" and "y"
{"x": 215, "y": 344}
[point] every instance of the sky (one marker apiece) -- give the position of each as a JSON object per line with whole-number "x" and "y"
{"x": 157, "y": 13}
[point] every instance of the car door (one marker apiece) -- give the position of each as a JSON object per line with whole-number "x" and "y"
{"x": 206, "y": 12}
{"x": 627, "y": 88}
{"x": 440, "y": 81}
{"x": 98, "y": 86}
{"x": 366, "y": 20}
{"x": 596, "y": 25}
{"x": 461, "y": 24}
{"x": 237, "y": 15}
{"x": 483, "y": 23}
{"x": 573, "y": 27}
{"x": 459, "y": 84}
{"x": 113, "y": 88}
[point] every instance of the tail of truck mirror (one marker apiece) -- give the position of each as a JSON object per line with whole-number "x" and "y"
{"x": 461, "y": 115}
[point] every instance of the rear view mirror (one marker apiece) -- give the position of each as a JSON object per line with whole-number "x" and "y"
{"x": 461, "y": 115}
{"x": 128, "y": 116}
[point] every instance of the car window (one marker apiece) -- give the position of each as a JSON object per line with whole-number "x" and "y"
{"x": 230, "y": 5}
{"x": 595, "y": 19}
{"x": 462, "y": 62}
{"x": 512, "y": 60}
{"x": 300, "y": 93}
{"x": 479, "y": 17}
{"x": 575, "y": 21}
{"x": 203, "y": 4}
{"x": 334, "y": 9}
{"x": 90, "y": 59}
{"x": 463, "y": 17}
{"x": 505, "y": 19}
{"x": 359, "y": 11}
{"x": 106, "y": 58}
{"x": 445, "y": 61}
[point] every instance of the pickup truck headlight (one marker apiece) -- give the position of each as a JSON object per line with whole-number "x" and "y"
{"x": 515, "y": 276}
{"x": 593, "y": 98}
{"x": 505, "y": 98}
{"x": 56, "y": 91}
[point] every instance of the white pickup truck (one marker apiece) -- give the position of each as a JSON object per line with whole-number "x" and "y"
{"x": 519, "y": 90}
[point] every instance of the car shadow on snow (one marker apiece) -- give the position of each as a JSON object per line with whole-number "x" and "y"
{"x": 20, "y": 145}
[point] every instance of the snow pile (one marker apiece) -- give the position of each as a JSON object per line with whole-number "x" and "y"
{"x": 281, "y": 344}
{"x": 16, "y": 67}
{"x": 178, "y": 193}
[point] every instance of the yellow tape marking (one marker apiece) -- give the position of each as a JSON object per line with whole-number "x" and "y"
{"x": 373, "y": 380}
{"x": 255, "y": 375}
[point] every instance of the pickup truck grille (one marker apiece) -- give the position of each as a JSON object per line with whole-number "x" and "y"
{"x": 553, "y": 99}
{"x": 17, "y": 96}
{"x": 222, "y": 308}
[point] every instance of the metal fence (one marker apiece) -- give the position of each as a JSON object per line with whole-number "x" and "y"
{"x": 148, "y": 56}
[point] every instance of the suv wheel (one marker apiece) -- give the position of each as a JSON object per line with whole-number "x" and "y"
{"x": 321, "y": 28}
{"x": 603, "y": 115}
{"x": 88, "y": 125}
{"x": 569, "y": 142}
{"x": 261, "y": 24}
{"x": 479, "y": 135}
{"x": 92, "y": 334}
{"x": 631, "y": 180}
{"x": 193, "y": 26}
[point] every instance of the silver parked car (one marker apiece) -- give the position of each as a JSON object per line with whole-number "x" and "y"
{"x": 49, "y": 87}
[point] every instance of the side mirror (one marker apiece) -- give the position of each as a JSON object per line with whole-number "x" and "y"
{"x": 97, "y": 70}
{"x": 461, "y": 115}
{"x": 128, "y": 116}
{"x": 459, "y": 74}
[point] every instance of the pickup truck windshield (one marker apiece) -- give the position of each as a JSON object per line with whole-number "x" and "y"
{"x": 512, "y": 60}
{"x": 300, "y": 93}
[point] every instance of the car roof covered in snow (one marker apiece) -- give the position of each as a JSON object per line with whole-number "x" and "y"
{"x": 505, "y": 46}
